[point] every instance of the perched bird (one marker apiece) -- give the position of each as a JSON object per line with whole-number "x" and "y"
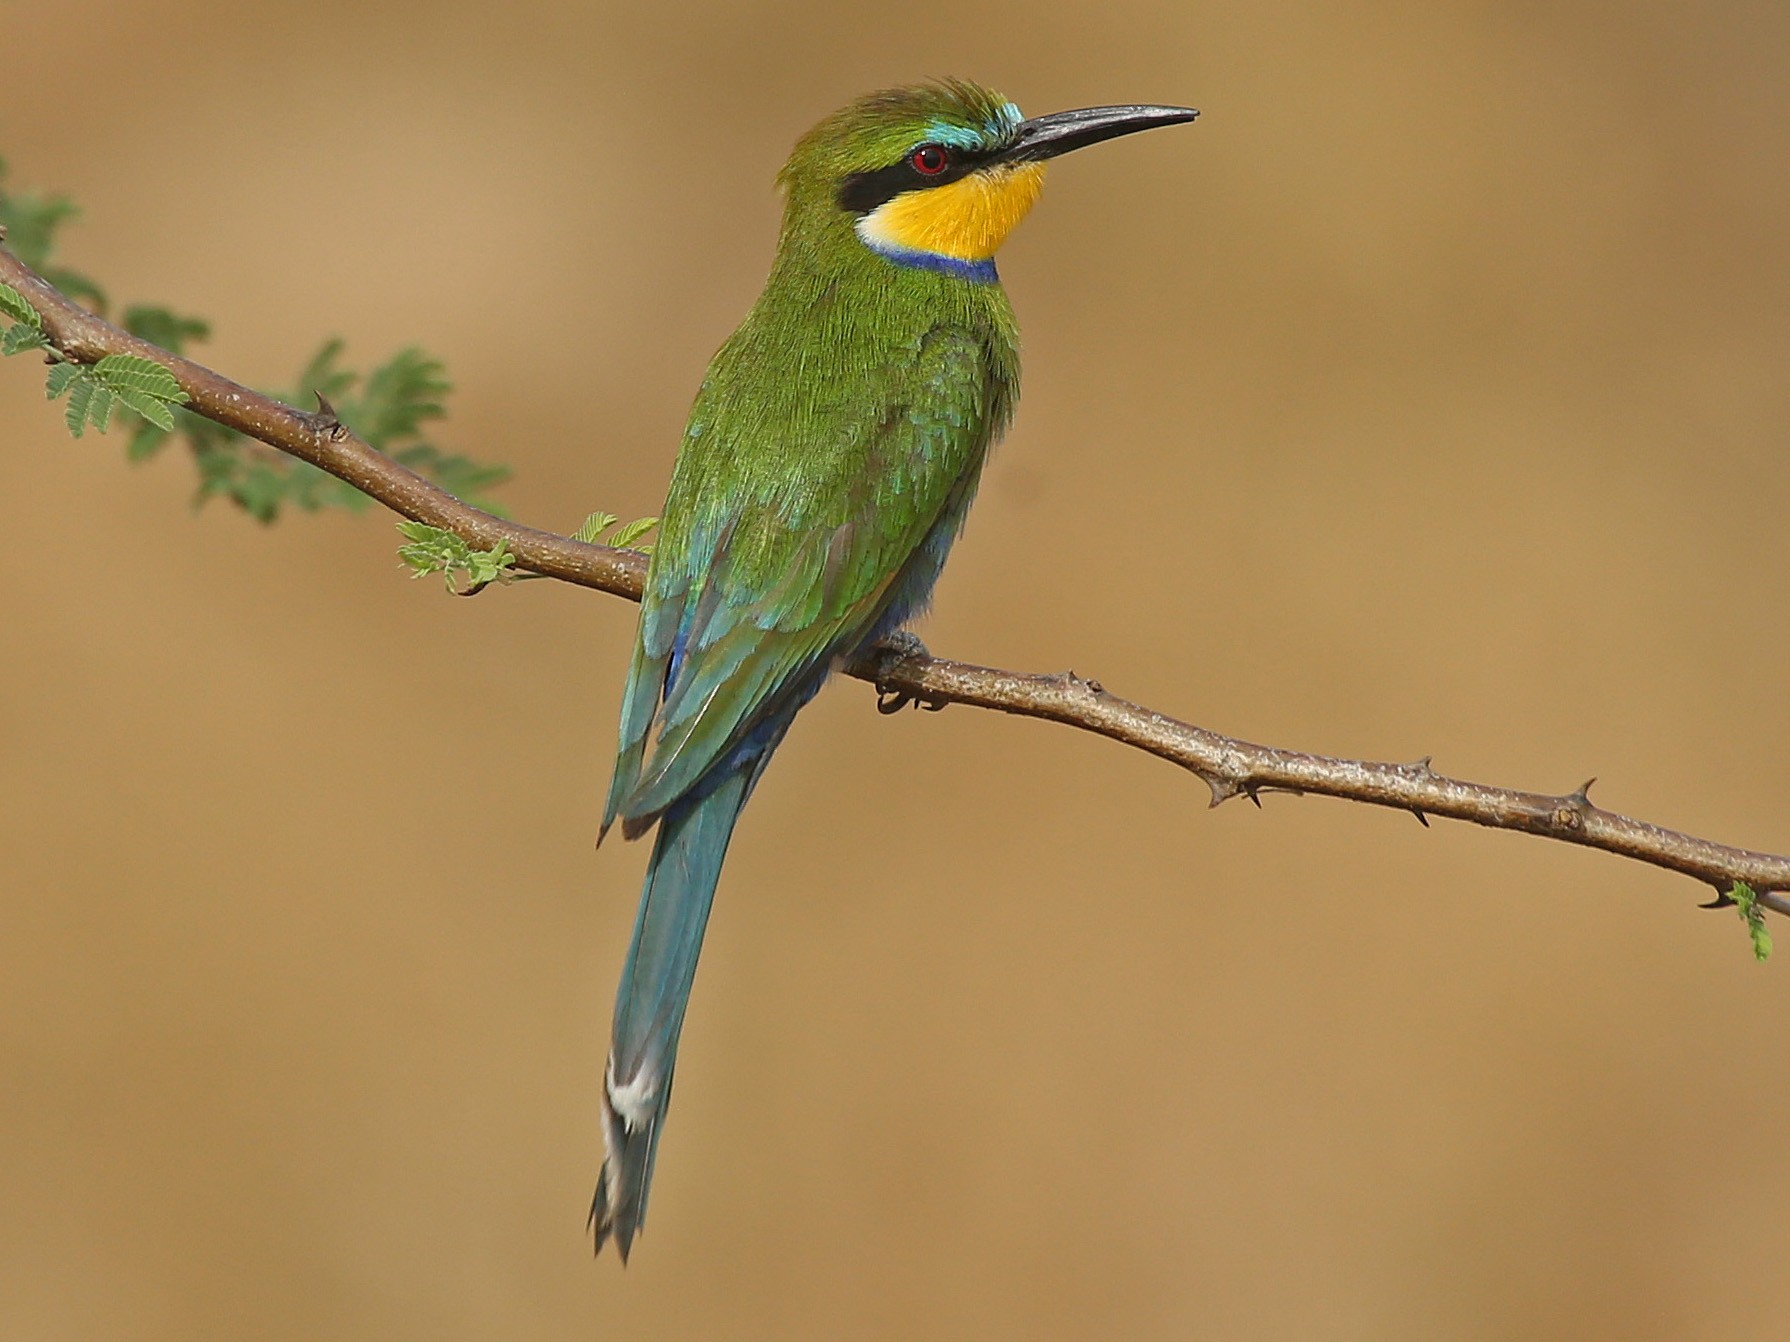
{"x": 830, "y": 457}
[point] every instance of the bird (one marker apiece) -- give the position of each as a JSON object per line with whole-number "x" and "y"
{"x": 829, "y": 459}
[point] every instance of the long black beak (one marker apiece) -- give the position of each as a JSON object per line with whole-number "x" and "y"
{"x": 1047, "y": 136}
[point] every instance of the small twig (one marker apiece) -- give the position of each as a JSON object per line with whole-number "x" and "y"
{"x": 905, "y": 672}
{"x": 319, "y": 438}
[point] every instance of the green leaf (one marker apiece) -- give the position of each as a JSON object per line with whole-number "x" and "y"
{"x": 625, "y": 536}
{"x": 60, "y": 378}
{"x": 118, "y": 379}
{"x": 159, "y": 326}
{"x": 434, "y": 550}
{"x": 158, "y": 413}
{"x": 321, "y": 375}
{"x": 388, "y": 407}
{"x": 1752, "y": 913}
{"x": 219, "y": 463}
{"x": 485, "y": 566}
{"x": 99, "y": 407}
{"x": 259, "y": 490}
{"x": 14, "y": 306}
{"x": 399, "y": 396}
{"x": 122, "y": 372}
{"x": 140, "y": 384}
{"x": 31, "y": 222}
{"x": 88, "y": 402}
{"x": 594, "y": 527}
{"x": 18, "y": 339}
{"x": 591, "y": 533}
{"x": 80, "y": 400}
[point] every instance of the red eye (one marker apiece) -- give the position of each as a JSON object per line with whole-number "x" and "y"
{"x": 930, "y": 159}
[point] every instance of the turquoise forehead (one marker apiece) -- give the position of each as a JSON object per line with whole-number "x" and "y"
{"x": 884, "y": 127}
{"x": 991, "y": 130}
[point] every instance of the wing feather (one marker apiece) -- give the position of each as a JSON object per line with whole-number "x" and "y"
{"x": 735, "y": 635}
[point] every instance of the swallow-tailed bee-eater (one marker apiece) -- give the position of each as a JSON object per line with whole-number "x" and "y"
{"x": 830, "y": 457}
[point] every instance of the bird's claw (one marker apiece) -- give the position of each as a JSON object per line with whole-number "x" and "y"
{"x": 899, "y": 647}
{"x": 893, "y": 701}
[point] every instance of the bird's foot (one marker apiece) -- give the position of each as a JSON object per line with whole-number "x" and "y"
{"x": 897, "y": 648}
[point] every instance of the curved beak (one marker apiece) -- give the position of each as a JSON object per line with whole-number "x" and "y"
{"x": 1047, "y": 136}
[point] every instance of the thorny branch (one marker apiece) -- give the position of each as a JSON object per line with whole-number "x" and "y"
{"x": 902, "y": 670}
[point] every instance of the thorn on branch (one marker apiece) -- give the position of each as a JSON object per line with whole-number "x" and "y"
{"x": 1574, "y": 807}
{"x": 1722, "y": 900}
{"x": 1070, "y": 681}
{"x": 1223, "y": 789}
{"x": 326, "y": 422}
{"x": 1422, "y": 819}
{"x": 1421, "y": 765}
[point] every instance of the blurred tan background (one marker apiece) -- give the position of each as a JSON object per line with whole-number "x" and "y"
{"x": 1428, "y": 395}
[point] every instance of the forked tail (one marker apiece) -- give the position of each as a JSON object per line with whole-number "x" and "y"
{"x": 655, "y": 988}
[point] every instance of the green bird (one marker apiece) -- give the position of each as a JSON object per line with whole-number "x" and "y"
{"x": 829, "y": 460}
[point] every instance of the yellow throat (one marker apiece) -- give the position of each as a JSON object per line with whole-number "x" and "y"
{"x": 966, "y": 220}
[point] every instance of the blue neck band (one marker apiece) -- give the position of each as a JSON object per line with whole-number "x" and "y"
{"x": 976, "y": 272}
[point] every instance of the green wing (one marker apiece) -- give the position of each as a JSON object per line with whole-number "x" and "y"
{"x": 779, "y": 557}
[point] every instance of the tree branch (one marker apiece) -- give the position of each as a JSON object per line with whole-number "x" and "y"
{"x": 902, "y": 670}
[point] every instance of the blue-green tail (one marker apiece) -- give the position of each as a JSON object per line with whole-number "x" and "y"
{"x": 655, "y": 988}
